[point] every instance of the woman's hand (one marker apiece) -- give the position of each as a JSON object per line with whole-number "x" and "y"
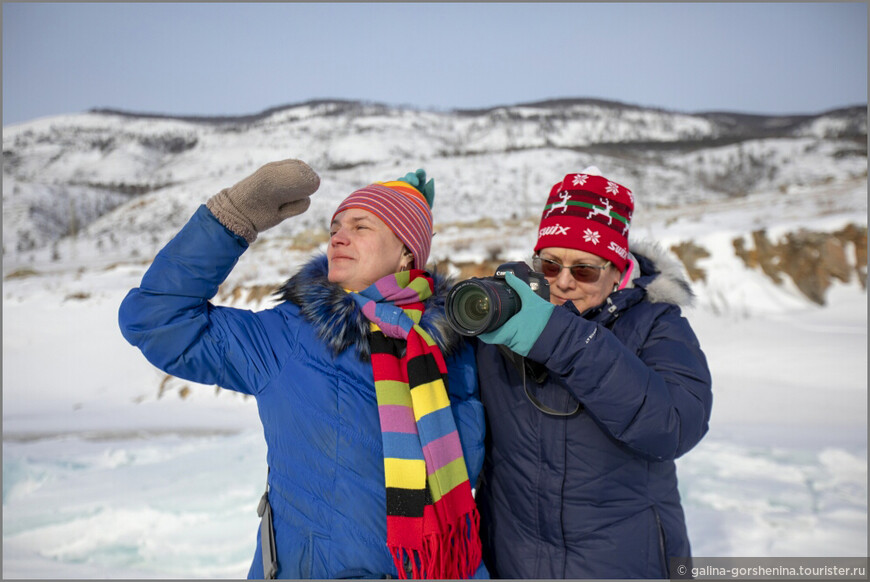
{"x": 520, "y": 332}
{"x": 273, "y": 193}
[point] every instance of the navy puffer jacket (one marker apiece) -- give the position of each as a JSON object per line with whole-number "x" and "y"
{"x": 594, "y": 494}
{"x": 306, "y": 361}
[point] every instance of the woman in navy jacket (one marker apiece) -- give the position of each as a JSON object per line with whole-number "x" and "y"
{"x": 309, "y": 364}
{"x": 603, "y": 387}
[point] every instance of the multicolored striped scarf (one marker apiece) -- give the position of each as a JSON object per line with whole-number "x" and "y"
{"x": 432, "y": 520}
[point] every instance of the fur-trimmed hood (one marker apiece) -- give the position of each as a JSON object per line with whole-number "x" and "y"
{"x": 656, "y": 277}
{"x": 339, "y": 320}
{"x": 660, "y": 275}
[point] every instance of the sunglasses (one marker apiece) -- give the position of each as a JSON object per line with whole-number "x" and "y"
{"x": 582, "y": 273}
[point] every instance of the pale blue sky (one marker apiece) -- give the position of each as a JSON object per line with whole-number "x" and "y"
{"x": 228, "y": 58}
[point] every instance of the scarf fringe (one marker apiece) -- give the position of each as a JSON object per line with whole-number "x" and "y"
{"x": 453, "y": 555}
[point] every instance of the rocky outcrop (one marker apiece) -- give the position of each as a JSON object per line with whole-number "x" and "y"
{"x": 812, "y": 260}
{"x": 689, "y": 253}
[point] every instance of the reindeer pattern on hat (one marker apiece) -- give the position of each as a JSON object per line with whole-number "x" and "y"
{"x": 564, "y": 196}
{"x": 603, "y": 210}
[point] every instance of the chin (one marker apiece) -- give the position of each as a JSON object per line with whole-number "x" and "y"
{"x": 557, "y": 300}
{"x": 334, "y": 277}
{"x": 582, "y": 305}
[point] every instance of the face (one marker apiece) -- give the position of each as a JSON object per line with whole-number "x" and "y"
{"x": 564, "y": 287}
{"x": 362, "y": 249}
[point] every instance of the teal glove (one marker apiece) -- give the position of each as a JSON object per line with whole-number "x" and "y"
{"x": 520, "y": 332}
{"x": 418, "y": 180}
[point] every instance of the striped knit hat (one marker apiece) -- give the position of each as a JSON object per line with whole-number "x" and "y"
{"x": 403, "y": 208}
{"x": 588, "y": 212}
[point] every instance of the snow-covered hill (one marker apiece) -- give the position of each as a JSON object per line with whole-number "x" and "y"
{"x": 88, "y": 179}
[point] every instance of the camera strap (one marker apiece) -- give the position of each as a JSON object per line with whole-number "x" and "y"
{"x": 539, "y": 373}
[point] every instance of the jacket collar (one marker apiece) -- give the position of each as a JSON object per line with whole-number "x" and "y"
{"x": 658, "y": 278}
{"x": 338, "y": 319}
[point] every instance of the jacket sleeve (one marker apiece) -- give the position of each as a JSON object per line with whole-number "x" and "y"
{"x": 170, "y": 319}
{"x": 467, "y": 408}
{"x": 656, "y": 401}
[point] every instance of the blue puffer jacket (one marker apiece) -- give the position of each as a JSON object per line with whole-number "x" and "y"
{"x": 306, "y": 363}
{"x": 594, "y": 494}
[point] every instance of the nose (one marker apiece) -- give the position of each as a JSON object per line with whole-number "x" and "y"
{"x": 565, "y": 280}
{"x": 339, "y": 237}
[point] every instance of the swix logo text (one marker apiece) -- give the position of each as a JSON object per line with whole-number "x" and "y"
{"x": 621, "y": 251}
{"x": 556, "y": 229}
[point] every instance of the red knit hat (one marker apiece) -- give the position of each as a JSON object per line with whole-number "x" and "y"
{"x": 590, "y": 213}
{"x": 401, "y": 207}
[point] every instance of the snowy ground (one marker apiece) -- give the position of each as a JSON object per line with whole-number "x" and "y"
{"x": 783, "y": 471}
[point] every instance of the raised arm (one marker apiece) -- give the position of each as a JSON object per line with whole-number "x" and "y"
{"x": 169, "y": 316}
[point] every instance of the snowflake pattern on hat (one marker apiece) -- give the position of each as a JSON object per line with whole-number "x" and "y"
{"x": 592, "y": 236}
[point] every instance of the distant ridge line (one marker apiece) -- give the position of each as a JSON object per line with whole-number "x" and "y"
{"x": 723, "y": 117}
{"x": 352, "y": 103}
{"x": 219, "y": 119}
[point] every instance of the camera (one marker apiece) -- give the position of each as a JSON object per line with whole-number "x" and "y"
{"x": 479, "y": 305}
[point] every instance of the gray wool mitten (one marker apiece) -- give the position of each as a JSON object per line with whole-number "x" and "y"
{"x": 274, "y": 192}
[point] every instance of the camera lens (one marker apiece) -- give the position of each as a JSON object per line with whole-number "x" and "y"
{"x": 476, "y": 306}
{"x": 472, "y": 306}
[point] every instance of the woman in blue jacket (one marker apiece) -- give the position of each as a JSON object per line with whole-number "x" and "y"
{"x": 368, "y": 400}
{"x": 601, "y": 389}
